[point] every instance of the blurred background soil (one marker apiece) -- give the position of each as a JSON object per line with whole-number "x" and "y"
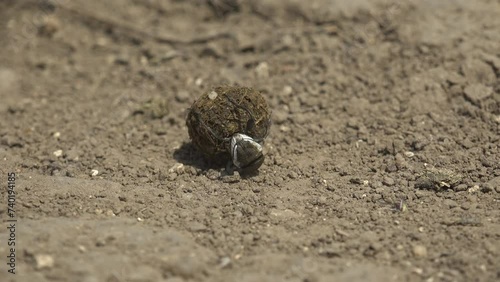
{"x": 383, "y": 159}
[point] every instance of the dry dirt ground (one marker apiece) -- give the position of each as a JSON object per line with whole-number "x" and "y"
{"x": 382, "y": 161}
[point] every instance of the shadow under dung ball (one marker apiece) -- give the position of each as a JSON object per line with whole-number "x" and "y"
{"x": 230, "y": 122}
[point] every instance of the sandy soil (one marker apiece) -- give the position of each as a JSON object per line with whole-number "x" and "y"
{"x": 383, "y": 160}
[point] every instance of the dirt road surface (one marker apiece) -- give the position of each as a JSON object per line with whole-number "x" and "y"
{"x": 382, "y": 162}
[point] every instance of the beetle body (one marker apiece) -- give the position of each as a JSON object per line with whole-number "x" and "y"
{"x": 230, "y": 121}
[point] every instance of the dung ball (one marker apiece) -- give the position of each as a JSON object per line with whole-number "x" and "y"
{"x": 224, "y": 111}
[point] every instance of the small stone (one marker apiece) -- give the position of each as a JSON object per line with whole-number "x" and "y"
{"x": 293, "y": 175}
{"x": 286, "y": 213}
{"x": 419, "y": 251}
{"x": 155, "y": 108}
{"x": 391, "y": 167}
{"x": 212, "y": 174}
{"x": 473, "y": 189}
{"x": 486, "y": 162}
{"x": 182, "y": 96}
{"x": 231, "y": 178}
{"x": 198, "y": 81}
{"x": 477, "y": 92}
{"x": 492, "y": 60}
{"x": 56, "y": 135}
{"x": 122, "y": 60}
{"x": 262, "y": 70}
{"x": 466, "y": 206}
{"x": 49, "y": 26}
{"x": 454, "y": 78}
{"x": 450, "y": 203}
{"x": 419, "y": 271}
{"x": 100, "y": 242}
{"x": 400, "y": 161}
{"x": 82, "y": 249}
{"x": 486, "y": 188}
{"x": 280, "y": 116}
{"x": 491, "y": 248}
{"x": 72, "y": 155}
{"x": 356, "y": 180}
{"x": 477, "y": 71}
{"x": 245, "y": 42}
{"x": 9, "y": 81}
{"x": 321, "y": 200}
{"x": 212, "y": 50}
{"x": 94, "y": 172}
{"x": 493, "y": 184}
{"x": 284, "y": 128}
{"x": 44, "y": 261}
{"x": 177, "y": 168}
{"x": 287, "y": 90}
{"x": 398, "y": 145}
{"x": 461, "y": 187}
{"x": 225, "y": 262}
{"x": 58, "y": 153}
{"x": 388, "y": 181}
{"x": 248, "y": 239}
{"x": 197, "y": 227}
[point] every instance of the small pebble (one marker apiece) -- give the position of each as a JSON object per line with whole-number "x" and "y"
{"x": 182, "y": 96}
{"x": 284, "y": 128}
{"x": 419, "y": 271}
{"x": 197, "y": 227}
{"x": 49, "y": 26}
{"x": 450, "y": 203}
{"x": 287, "y": 90}
{"x": 477, "y": 92}
{"x": 388, "y": 181}
{"x": 94, "y": 172}
{"x": 58, "y": 153}
{"x": 293, "y": 175}
{"x": 419, "y": 251}
{"x": 280, "y": 116}
{"x": 177, "y": 168}
{"x": 44, "y": 261}
{"x": 198, "y": 81}
{"x": 461, "y": 187}
{"x": 225, "y": 262}
{"x": 122, "y": 60}
{"x": 262, "y": 70}
{"x": 493, "y": 184}
{"x": 473, "y": 189}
